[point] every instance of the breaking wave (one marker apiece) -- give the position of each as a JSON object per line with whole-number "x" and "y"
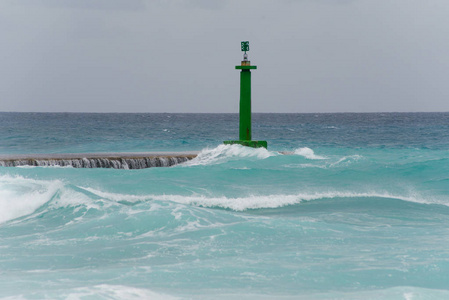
{"x": 21, "y": 196}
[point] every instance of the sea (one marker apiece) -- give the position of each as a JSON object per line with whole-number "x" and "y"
{"x": 340, "y": 206}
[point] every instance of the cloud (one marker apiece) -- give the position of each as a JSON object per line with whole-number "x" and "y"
{"x": 121, "y": 5}
{"x": 179, "y": 55}
{"x": 205, "y": 4}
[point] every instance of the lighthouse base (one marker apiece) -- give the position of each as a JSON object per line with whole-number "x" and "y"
{"x": 254, "y": 144}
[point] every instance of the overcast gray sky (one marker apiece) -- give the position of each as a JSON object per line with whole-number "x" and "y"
{"x": 179, "y": 55}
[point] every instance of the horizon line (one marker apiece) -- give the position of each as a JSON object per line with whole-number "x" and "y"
{"x": 198, "y": 113}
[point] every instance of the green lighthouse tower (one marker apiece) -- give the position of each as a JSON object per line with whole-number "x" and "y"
{"x": 245, "y": 103}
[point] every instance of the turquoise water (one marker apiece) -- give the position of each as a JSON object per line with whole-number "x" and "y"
{"x": 359, "y": 210}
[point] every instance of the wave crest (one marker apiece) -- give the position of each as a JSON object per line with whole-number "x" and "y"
{"x": 256, "y": 201}
{"x": 276, "y": 201}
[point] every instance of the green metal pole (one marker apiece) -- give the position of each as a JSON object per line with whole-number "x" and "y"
{"x": 245, "y": 105}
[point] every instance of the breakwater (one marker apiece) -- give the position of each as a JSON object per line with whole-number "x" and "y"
{"x": 125, "y": 160}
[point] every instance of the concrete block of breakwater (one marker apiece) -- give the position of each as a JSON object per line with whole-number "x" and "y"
{"x": 125, "y": 160}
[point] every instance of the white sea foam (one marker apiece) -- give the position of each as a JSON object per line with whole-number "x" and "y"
{"x": 304, "y": 166}
{"x": 399, "y": 292}
{"x": 106, "y": 291}
{"x": 18, "y": 297}
{"x": 324, "y": 162}
{"x": 308, "y": 153}
{"x": 346, "y": 160}
{"x": 224, "y": 153}
{"x": 21, "y": 196}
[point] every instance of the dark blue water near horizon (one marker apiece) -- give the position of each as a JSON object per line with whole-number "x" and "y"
{"x": 360, "y": 209}
{"x": 128, "y": 132}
